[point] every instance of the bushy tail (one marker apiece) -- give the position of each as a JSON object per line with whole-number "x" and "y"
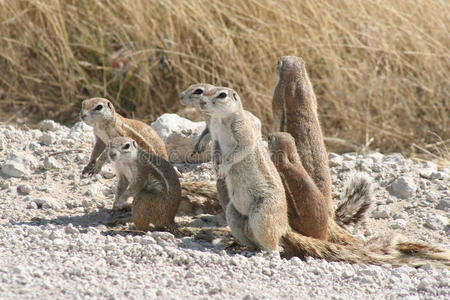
{"x": 357, "y": 199}
{"x": 303, "y": 246}
{"x": 423, "y": 251}
{"x": 200, "y": 188}
{"x": 338, "y": 235}
{"x": 376, "y": 251}
{"x": 199, "y": 196}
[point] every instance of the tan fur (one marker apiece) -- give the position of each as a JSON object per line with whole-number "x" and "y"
{"x": 294, "y": 108}
{"x": 150, "y": 179}
{"x": 108, "y": 124}
{"x": 307, "y": 207}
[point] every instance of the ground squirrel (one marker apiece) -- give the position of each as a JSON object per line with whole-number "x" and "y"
{"x": 307, "y": 207}
{"x": 257, "y": 212}
{"x": 294, "y": 108}
{"x": 192, "y": 96}
{"x": 149, "y": 179}
{"x": 100, "y": 114}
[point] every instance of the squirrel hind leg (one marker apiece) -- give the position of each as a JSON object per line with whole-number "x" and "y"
{"x": 266, "y": 225}
{"x": 151, "y": 208}
{"x": 239, "y": 227}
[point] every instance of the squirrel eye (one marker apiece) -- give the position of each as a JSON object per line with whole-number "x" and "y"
{"x": 98, "y": 107}
{"x": 222, "y": 95}
{"x": 127, "y": 146}
{"x": 198, "y": 92}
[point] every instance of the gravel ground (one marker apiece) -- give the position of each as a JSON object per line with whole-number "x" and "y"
{"x": 54, "y": 243}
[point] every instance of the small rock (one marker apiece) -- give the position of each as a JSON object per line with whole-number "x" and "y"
{"x": 82, "y": 158}
{"x": 437, "y": 175}
{"x": 427, "y": 267}
{"x": 46, "y": 139}
{"x": 161, "y": 236}
{"x": 47, "y": 202}
{"x": 335, "y": 160}
{"x": 403, "y": 187}
{"x": 2, "y": 143}
{"x": 70, "y": 229}
{"x": 396, "y": 157}
{"x": 15, "y": 167}
{"x": 32, "y": 205}
{"x": 51, "y": 163}
{"x": 348, "y": 165}
{"x": 436, "y": 222}
{"x": 375, "y": 157}
{"x": 107, "y": 172}
{"x": 424, "y": 284}
{"x": 444, "y": 204}
{"x": 33, "y": 146}
{"x": 349, "y": 156}
{"x": 4, "y": 184}
{"x": 48, "y": 125}
{"x": 426, "y": 172}
{"x": 94, "y": 190}
{"x": 24, "y": 189}
{"x": 431, "y": 196}
{"x": 398, "y": 224}
{"x": 381, "y": 212}
{"x": 401, "y": 215}
{"x": 377, "y": 167}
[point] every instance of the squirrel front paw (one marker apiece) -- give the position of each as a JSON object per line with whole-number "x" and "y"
{"x": 91, "y": 169}
{"x": 198, "y": 148}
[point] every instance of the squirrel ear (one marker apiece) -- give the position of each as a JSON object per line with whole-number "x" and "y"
{"x": 235, "y": 96}
{"x": 134, "y": 144}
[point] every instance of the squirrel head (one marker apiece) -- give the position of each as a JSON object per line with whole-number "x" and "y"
{"x": 288, "y": 66}
{"x": 96, "y": 110}
{"x": 194, "y": 94}
{"x": 221, "y": 102}
{"x": 123, "y": 149}
{"x": 282, "y": 146}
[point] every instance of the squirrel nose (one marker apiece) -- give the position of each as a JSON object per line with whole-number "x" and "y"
{"x": 112, "y": 154}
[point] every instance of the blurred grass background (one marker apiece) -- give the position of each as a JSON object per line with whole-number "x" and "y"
{"x": 380, "y": 68}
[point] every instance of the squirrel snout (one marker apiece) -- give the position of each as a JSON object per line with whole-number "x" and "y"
{"x": 202, "y": 104}
{"x": 112, "y": 154}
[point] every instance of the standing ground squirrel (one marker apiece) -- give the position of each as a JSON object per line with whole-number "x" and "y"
{"x": 100, "y": 114}
{"x": 150, "y": 179}
{"x": 257, "y": 212}
{"x": 193, "y": 96}
{"x": 294, "y": 108}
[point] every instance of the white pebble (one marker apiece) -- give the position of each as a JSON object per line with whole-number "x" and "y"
{"x": 403, "y": 187}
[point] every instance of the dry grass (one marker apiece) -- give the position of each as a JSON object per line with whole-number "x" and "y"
{"x": 380, "y": 68}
